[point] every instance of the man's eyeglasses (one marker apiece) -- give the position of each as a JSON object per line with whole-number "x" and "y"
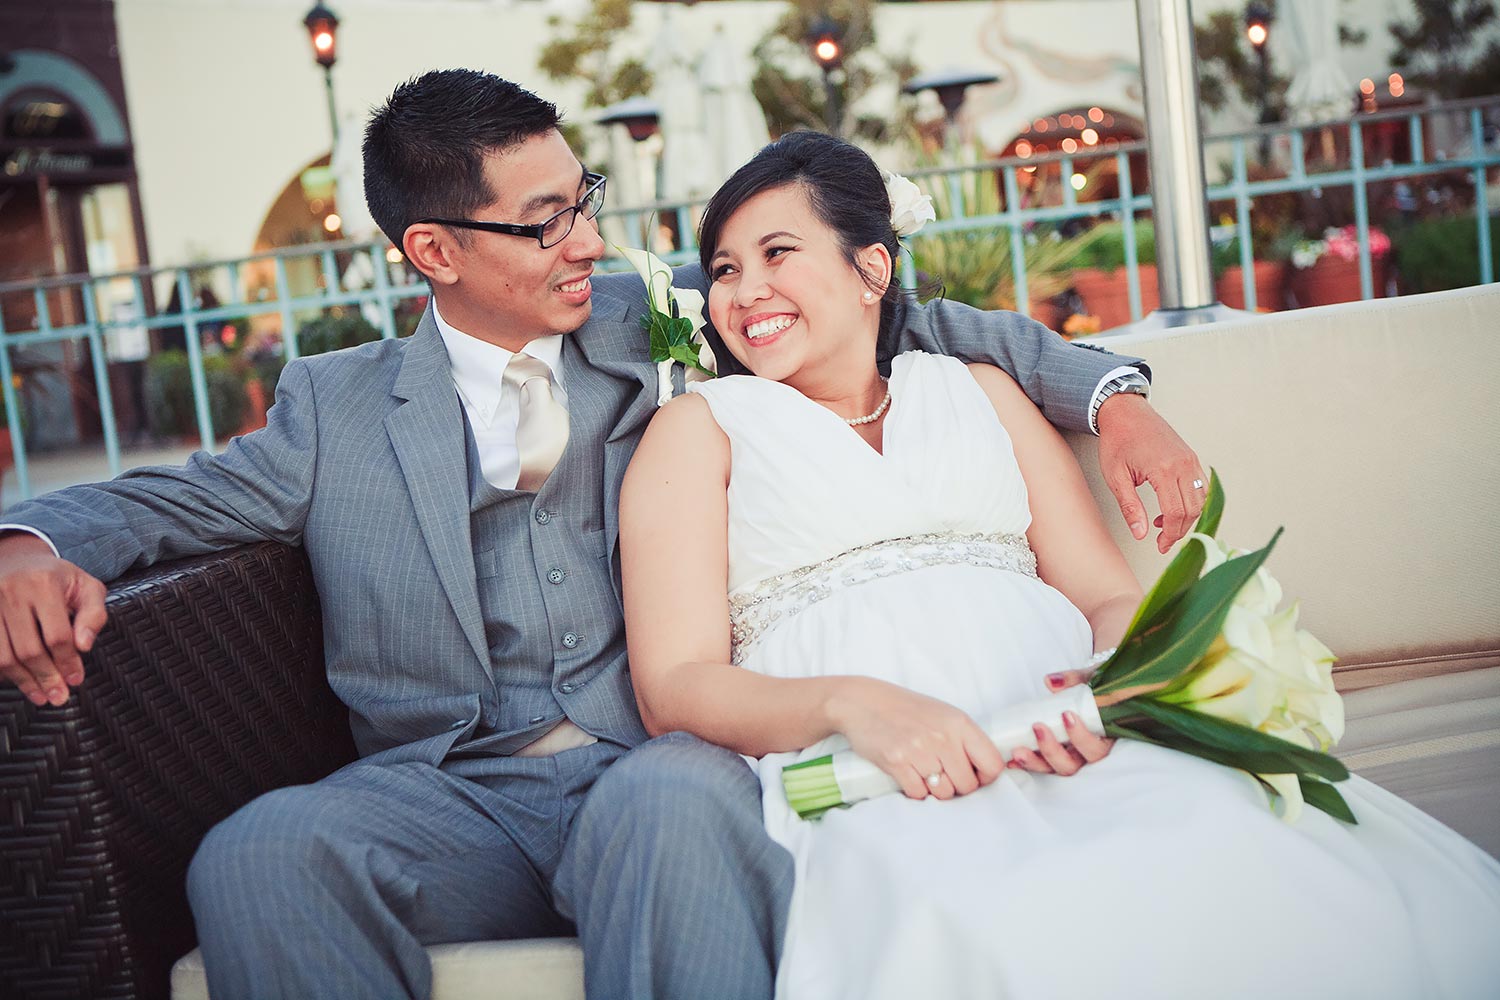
{"x": 551, "y": 231}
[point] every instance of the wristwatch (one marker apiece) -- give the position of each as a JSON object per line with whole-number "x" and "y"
{"x": 1131, "y": 382}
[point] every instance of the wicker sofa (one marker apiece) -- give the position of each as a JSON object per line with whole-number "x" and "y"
{"x": 1363, "y": 428}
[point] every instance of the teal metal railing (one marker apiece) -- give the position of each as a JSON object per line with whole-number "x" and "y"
{"x": 285, "y": 288}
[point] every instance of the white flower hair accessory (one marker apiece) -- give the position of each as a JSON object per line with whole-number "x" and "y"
{"x": 910, "y": 208}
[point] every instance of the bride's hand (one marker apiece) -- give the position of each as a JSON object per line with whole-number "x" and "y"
{"x": 1051, "y": 757}
{"x": 912, "y": 737}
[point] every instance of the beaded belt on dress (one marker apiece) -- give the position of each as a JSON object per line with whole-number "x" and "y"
{"x": 756, "y": 610}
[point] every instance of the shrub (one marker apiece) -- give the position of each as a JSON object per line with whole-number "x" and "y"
{"x": 170, "y": 410}
{"x": 1440, "y": 253}
{"x": 334, "y": 332}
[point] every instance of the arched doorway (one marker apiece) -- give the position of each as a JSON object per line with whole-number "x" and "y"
{"x": 1087, "y": 134}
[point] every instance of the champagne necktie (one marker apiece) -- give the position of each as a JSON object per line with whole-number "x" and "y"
{"x": 542, "y": 433}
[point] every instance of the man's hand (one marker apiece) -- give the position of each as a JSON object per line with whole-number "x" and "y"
{"x": 50, "y": 612}
{"x": 1137, "y": 446}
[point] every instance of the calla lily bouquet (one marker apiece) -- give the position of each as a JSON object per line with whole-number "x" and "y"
{"x": 673, "y": 322}
{"x": 1207, "y": 667}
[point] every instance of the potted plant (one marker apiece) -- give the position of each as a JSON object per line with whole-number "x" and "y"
{"x": 1326, "y": 270}
{"x": 974, "y": 267}
{"x": 1101, "y": 280}
{"x": 1269, "y": 270}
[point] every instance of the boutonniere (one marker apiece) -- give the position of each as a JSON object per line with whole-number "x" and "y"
{"x": 673, "y": 323}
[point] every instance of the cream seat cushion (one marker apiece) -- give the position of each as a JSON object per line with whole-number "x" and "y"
{"x": 541, "y": 969}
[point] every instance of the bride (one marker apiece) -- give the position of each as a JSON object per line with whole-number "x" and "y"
{"x": 818, "y": 557}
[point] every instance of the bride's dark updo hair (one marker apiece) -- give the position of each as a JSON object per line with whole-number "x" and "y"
{"x": 847, "y": 193}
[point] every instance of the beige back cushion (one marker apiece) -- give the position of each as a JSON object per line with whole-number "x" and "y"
{"x": 1371, "y": 431}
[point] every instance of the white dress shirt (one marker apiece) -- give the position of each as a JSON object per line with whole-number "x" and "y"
{"x": 492, "y": 405}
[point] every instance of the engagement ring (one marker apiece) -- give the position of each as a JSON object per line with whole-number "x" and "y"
{"x": 934, "y": 779}
{"x": 1197, "y": 484}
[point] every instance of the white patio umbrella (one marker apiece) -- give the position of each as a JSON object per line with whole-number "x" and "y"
{"x": 1319, "y": 90}
{"x": 684, "y": 165}
{"x": 348, "y": 166}
{"x": 733, "y": 122}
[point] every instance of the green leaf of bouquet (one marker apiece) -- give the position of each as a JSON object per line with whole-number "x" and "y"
{"x": 1213, "y": 507}
{"x": 1254, "y": 762}
{"x": 686, "y": 353}
{"x": 1179, "y": 575}
{"x": 1322, "y": 795}
{"x": 656, "y": 330}
{"x": 1162, "y": 655}
{"x": 682, "y": 330}
{"x": 1220, "y": 734}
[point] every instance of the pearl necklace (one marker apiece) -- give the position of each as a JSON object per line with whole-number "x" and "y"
{"x": 870, "y": 418}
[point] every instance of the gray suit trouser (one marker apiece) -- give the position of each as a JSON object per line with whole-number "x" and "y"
{"x": 658, "y": 857}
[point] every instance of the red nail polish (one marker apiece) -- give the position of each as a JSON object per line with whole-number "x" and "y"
{"x": 1055, "y": 680}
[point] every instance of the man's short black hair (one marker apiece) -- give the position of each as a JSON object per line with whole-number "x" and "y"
{"x": 425, "y": 147}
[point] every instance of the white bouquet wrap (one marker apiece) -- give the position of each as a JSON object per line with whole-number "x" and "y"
{"x": 852, "y": 778}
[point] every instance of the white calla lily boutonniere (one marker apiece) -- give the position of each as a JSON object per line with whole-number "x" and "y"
{"x": 673, "y": 322}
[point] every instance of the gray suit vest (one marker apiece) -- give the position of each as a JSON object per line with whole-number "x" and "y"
{"x": 552, "y": 619}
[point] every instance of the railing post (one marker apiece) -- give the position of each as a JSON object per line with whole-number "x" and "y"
{"x": 1482, "y": 200}
{"x": 101, "y": 377}
{"x": 1361, "y": 208}
{"x": 284, "y": 300}
{"x": 1175, "y": 150}
{"x": 380, "y": 268}
{"x": 195, "y": 360}
{"x": 1242, "y": 223}
{"x": 1017, "y": 241}
{"x": 13, "y": 414}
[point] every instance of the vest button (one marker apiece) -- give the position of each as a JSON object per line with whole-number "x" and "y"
{"x": 539, "y": 718}
{"x": 570, "y": 639}
{"x": 555, "y": 576}
{"x": 459, "y": 723}
{"x": 543, "y": 516}
{"x": 566, "y": 689}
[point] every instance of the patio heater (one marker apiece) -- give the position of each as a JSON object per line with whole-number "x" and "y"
{"x": 1174, "y": 151}
{"x": 950, "y": 85}
{"x": 322, "y": 27}
{"x": 825, "y": 39}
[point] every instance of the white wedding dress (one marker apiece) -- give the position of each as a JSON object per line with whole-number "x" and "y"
{"x": 1149, "y": 874}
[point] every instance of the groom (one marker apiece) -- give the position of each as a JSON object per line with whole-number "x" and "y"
{"x": 456, "y": 494}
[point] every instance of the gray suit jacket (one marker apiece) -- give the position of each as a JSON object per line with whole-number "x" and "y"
{"x": 363, "y": 463}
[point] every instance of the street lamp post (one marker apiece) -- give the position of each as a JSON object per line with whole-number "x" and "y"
{"x": 825, "y": 38}
{"x": 1258, "y": 29}
{"x": 322, "y": 27}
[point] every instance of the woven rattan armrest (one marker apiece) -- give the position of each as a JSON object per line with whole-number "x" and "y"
{"x": 206, "y": 689}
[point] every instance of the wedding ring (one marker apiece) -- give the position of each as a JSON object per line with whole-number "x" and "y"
{"x": 1197, "y": 484}
{"x": 934, "y": 779}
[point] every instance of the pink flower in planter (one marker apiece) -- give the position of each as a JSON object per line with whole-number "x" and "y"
{"x": 1344, "y": 243}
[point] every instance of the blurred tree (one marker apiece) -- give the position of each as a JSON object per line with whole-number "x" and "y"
{"x": 788, "y": 83}
{"x": 1227, "y": 65}
{"x": 1441, "y": 51}
{"x": 586, "y": 53}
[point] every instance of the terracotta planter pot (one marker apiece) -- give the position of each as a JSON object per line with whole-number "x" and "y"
{"x": 255, "y": 413}
{"x": 1048, "y": 313}
{"x": 1106, "y": 294}
{"x": 1270, "y": 286}
{"x": 1333, "y": 279}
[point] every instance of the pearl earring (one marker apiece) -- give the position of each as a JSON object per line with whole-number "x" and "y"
{"x": 869, "y": 296}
